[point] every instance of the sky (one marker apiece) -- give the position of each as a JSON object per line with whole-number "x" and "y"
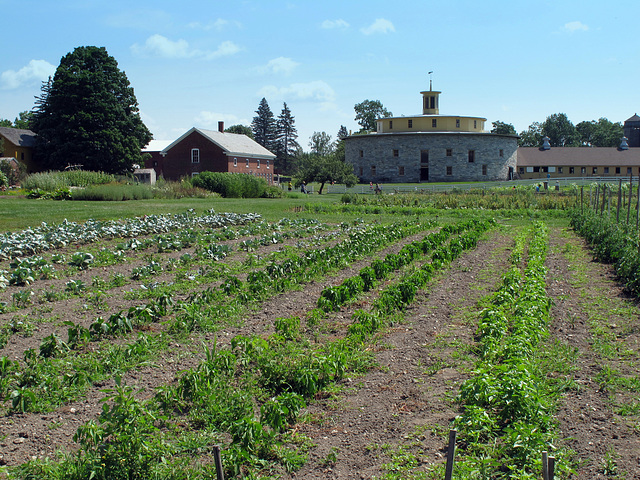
{"x": 193, "y": 63}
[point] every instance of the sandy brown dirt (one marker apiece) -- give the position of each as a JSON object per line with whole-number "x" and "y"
{"x": 408, "y": 400}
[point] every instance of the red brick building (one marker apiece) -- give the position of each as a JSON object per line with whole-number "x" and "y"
{"x": 201, "y": 150}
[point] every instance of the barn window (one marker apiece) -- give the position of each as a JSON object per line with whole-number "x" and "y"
{"x": 195, "y": 155}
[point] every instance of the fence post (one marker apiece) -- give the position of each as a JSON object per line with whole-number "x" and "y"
{"x": 619, "y": 199}
{"x": 630, "y": 192}
{"x": 638, "y": 203}
{"x": 552, "y": 467}
{"x": 218, "y": 460}
{"x": 450, "y": 454}
{"x": 545, "y": 465}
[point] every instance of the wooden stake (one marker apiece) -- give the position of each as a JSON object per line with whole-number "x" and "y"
{"x": 630, "y": 192}
{"x": 552, "y": 467}
{"x": 450, "y": 454}
{"x": 638, "y": 203}
{"x": 545, "y": 466}
{"x": 619, "y": 200}
{"x": 218, "y": 460}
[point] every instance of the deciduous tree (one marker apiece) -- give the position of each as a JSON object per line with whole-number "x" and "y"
{"x": 503, "y": 128}
{"x": 560, "y": 130}
{"x": 602, "y": 133}
{"x": 324, "y": 169}
{"x": 321, "y": 143}
{"x": 240, "y": 129}
{"x": 368, "y": 112}
{"x": 532, "y": 137}
{"x": 88, "y": 115}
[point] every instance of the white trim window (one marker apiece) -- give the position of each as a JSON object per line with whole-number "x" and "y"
{"x": 247, "y": 163}
{"x": 258, "y": 163}
{"x": 235, "y": 162}
{"x": 268, "y": 163}
{"x": 195, "y": 155}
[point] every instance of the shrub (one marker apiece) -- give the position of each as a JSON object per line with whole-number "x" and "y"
{"x": 231, "y": 185}
{"x": 273, "y": 192}
{"x": 113, "y": 192}
{"x": 14, "y": 173}
{"x": 52, "y": 181}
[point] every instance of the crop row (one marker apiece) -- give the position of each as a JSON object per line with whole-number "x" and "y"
{"x": 43, "y": 382}
{"x": 612, "y": 242}
{"x": 245, "y": 397}
{"x": 46, "y": 237}
{"x": 508, "y": 402}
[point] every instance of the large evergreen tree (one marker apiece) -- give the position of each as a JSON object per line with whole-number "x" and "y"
{"x": 88, "y": 115}
{"x": 264, "y": 126}
{"x": 286, "y": 139}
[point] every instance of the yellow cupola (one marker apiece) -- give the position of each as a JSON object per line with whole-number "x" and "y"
{"x": 431, "y": 102}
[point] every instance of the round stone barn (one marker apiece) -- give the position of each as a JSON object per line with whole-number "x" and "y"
{"x": 432, "y": 148}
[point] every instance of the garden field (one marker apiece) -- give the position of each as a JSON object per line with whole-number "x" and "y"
{"x": 340, "y": 337}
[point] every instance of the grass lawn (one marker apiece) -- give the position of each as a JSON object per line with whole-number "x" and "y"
{"x": 19, "y": 213}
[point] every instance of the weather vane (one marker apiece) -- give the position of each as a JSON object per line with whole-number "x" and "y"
{"x": 430, "y": 83}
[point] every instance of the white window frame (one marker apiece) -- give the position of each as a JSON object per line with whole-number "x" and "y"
{"x": 235, "y": 162}
{"x": 195, "y": 155}
{"x": 247, "y": 163}
{"x": 268, "y": 163}
{"x": 258, "y": 163}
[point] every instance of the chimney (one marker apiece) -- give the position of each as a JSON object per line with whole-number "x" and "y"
{"x": 221, "y": 127}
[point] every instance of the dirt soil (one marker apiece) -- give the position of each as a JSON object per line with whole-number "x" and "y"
{"x": 407, "y": 402}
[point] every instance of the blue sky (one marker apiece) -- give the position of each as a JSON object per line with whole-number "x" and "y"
{"x": 193, "y": 63}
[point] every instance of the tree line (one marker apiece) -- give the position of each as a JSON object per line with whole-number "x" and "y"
{"x": 563, "y": 133}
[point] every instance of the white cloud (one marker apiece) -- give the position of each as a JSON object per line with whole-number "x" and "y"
{"x": 331, "y": 24}
{"x": 160, "y": 46}
{"x": 575, "y": 27}
{"x": 283, "y": 65}
{"x": 316, "y": 90}
{"x": 381, "y": 25}
{"x": 224, "y": 49}
{"x": 218, "y": 25}
{"x": 35, "y": 71}
{"x": 210, "y": 120}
